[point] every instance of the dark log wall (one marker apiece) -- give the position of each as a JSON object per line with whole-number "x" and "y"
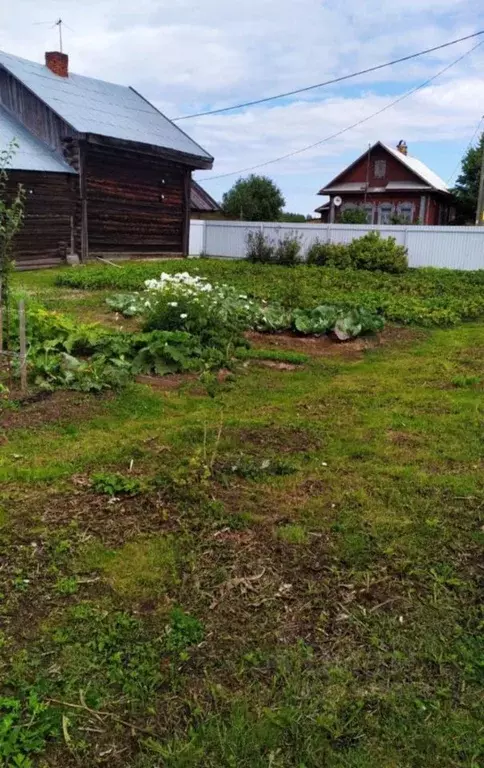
{"x": 45, "y": 236}
{"x": 136, "y": 203}
{"x": 33, "y": 113}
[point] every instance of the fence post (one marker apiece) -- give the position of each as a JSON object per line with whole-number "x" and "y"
{"x": 23, "y": 346}
{"x": 1, "y": 320}
{"x": 329, "y": 234}
{"x": 405, "y": 235}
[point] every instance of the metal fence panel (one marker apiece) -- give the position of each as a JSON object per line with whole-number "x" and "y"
{"x": 451, "y": 247}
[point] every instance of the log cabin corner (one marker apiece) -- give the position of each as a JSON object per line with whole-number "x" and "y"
{"x": 106, "y": 174}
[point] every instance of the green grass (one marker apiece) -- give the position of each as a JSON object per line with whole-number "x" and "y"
{"x": 290, "y": 580}
{"x": 420, "y": 296}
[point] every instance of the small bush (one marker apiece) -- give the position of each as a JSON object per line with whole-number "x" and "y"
{"x": 354, "y": 216}
{"x": 329, "y": 255}
{"x": 374, "y": 252}
{"x": 288, "y": 249}
{"x": 260, "y": 249}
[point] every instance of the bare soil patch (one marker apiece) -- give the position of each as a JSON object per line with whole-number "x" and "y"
{"x": 167, "y": 383}
{"x": 326, "y": 346}
{"x": 41, "y": 408}
{"x": 278, "y": 438}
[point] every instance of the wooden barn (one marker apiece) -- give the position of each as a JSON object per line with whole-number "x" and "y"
{"x": 106, "y": 174}
{"x": 202, "y": 205}
{"x": 389, "y": 185}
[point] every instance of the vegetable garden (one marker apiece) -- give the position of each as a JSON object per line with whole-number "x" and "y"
{"x": 275, "y": 567}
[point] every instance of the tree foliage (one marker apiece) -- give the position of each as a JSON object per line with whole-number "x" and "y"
{"x": 255, "y": 198}
{"x": 293, "y": 217}
{"x": 466, "y": 188}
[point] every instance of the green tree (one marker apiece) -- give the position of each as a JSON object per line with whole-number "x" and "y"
{"x": 466, "y": 188}
{"x": 293, "y": 217}
{"x": 255, "y": 198}
{"x": 354, "y": 216}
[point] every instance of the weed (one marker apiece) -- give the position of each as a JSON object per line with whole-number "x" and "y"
{"x": 182, "y": 632}
{"x": 67, "y": 585}
{"x": 463, "y": 381}
{"x": 292, "y": 533}
{"x": 252, "y": 468}
{"x": 114, "y": 484}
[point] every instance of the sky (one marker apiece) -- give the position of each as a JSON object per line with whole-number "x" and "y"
{"x": 188, "y": 56}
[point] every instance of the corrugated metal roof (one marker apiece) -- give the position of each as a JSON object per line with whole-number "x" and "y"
{"x": 419, "y": 168}
{"x": 200, "y": 200}
{"x": 102, "y": 108}
{"x": 31, "y": 154}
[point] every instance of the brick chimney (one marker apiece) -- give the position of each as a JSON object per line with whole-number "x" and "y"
{"x": 58, "y": 63}
{"x": 402, "y": 147}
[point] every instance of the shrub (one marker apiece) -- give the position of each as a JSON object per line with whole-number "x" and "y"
{"x": 354, "y": 216}
{"x": 374, "y": 252}
{"x": 329, "y": 255}
{"x": 288, "y": 249}
{"x": 260, "y": 249}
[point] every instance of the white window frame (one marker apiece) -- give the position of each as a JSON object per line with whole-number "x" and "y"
{"x": 369, "y": 208}
{"x": 406, "y": 210}
{"x": 385, "y": 210}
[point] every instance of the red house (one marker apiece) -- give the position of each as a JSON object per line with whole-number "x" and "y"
{"x": 390, "y": 186}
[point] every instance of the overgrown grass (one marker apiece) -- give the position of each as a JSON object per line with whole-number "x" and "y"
{"x": 419, "y": 296}
{"x": 285, "y": 574}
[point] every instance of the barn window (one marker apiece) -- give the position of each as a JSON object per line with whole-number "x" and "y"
{"x": 385, "y": 212}
{"x": 380, "y": 169}
{"x": 405, "y": 212}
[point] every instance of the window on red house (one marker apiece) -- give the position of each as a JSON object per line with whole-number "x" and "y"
{"x": 405, "y": 212}
{"x": 385, "y": 212}
{"x": 380, "y": 169}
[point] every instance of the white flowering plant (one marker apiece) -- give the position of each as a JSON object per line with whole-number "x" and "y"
{"x": 216, "y": 313}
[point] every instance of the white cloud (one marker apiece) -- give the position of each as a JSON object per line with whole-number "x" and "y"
{"x": 188, "y": 56}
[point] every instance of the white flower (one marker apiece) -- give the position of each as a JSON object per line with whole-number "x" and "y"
{"x": 184, "y": 316}
{"x": 242, "y": 296}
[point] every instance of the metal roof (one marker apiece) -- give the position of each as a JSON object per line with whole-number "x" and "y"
{"x": 408, "y": 186}
{"x": 416, "y": 166}
{"x": 200, "y": 200}
{"x": 31, "y": 154}
{"x": 102, "y": 108}
{"x": 351, "y": 186}
{"x": 419, "y": 168}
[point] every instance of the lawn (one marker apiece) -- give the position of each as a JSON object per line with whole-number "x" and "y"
{"x": 282, "y": 572}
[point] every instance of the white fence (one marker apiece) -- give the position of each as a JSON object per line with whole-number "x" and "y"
{"x": 452, "y": 247}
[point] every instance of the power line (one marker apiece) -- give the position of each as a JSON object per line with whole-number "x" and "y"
{"x": 349, "y": 127}
{"x": 467, "y": 147}
{"x": 329, "y": 82}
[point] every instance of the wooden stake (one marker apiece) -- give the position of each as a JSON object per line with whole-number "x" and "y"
{"x": 1, "y": 320}
{"x": 23, "y": 346}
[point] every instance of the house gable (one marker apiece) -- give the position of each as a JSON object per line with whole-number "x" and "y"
{"x": 383, "y": 166}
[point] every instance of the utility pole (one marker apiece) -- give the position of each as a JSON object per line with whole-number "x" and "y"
{"x": 480, "y": 198}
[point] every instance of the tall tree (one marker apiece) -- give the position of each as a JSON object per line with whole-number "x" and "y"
{"x": 466, "y": 188}
{"x": 256, "y": 198}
